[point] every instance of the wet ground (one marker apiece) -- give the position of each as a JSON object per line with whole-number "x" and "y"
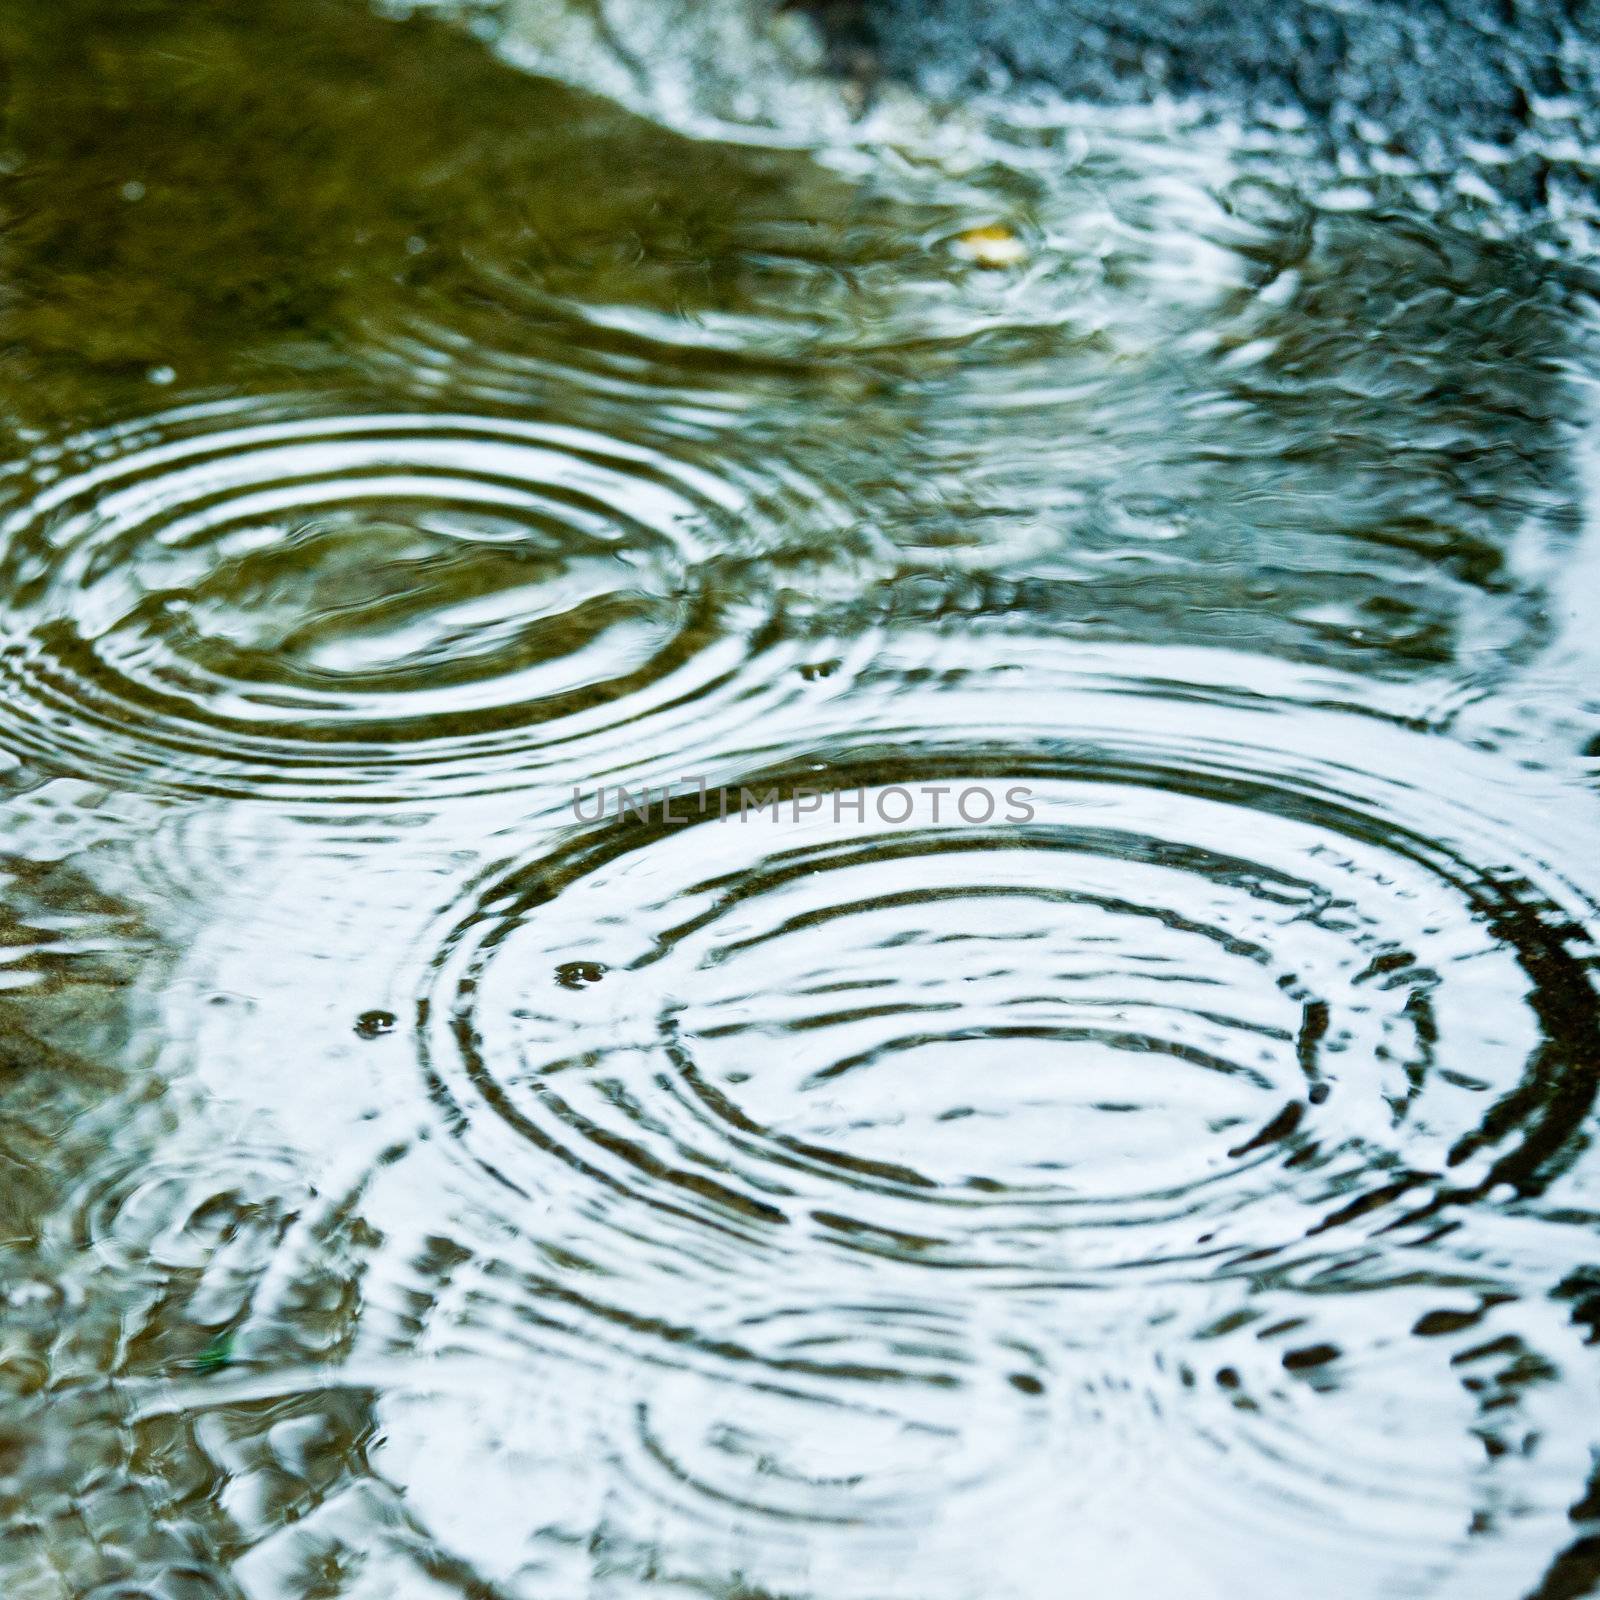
{"x": 765, "y": 839}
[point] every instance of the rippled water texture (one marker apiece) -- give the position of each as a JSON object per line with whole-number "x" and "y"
{"x": 765, "y": 839}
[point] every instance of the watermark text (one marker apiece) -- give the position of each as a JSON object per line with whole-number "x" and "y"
{"x": 697, "y": 800}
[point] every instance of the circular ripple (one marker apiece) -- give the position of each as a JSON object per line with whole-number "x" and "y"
{"x": 1192, "y": 991}
{"x": 383, "y": 604}
{"x": 1373, "y": 1439}
{"x": 212, "y": 1218}
{"x": 779, "y": 1443}
{"x": 928, "y": 1417}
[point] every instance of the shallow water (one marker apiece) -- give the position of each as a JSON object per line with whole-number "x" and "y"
{"x": 714, "y": 887}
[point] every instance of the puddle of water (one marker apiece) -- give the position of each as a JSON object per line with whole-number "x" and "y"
{"x": 763, "y": 848}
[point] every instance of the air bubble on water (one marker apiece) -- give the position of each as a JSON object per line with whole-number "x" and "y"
{"x": 375, "y": 1024}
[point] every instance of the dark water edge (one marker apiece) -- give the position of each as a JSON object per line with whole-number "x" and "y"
{"x": 1115, "y": 1118}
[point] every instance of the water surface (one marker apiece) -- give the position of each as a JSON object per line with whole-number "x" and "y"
{"x": 1116, "y": 1119}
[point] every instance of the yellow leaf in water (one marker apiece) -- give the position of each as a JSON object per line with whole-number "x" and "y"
{"x": 993, "y": 247}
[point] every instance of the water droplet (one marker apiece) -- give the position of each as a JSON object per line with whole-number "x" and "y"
{"x": 374, "y": 1024}
{"x": 579, "y": 974}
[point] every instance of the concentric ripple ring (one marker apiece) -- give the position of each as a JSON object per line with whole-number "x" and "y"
{"x": 1198, "y": 996}
{"x": 383, "y": 605}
